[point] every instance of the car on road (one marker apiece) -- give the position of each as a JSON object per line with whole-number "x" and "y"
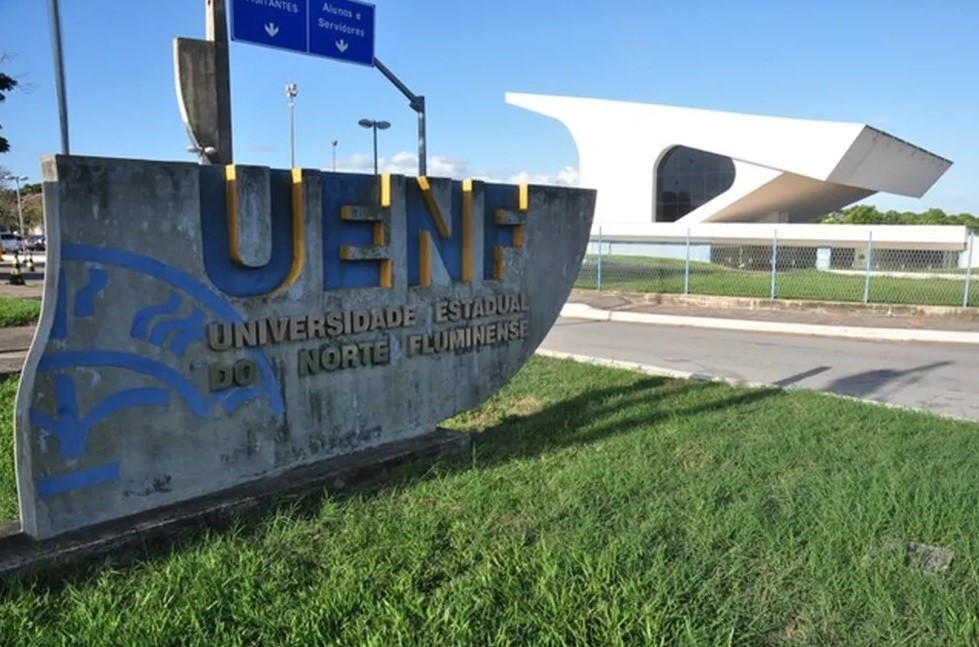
{"x": 37, "y": 243}
{"x": 10, "y": 243}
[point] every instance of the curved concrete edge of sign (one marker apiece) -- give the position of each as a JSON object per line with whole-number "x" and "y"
{"x": 116, "y": 222}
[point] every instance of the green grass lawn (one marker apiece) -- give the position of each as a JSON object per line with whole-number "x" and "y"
{"x": 644, "y": 274}
{"x": 600, "y": 507}
{"x": 15, "y": 311}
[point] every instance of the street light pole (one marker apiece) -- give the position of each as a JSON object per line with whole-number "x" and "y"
{"x": 291, "y": 91}
{"x": 417, "y": 103}
{"x": 20, "y": 211}
{"x": 59, "y": 73}
{"x": 334, "y": 142}
{"x": 375, "y": 126}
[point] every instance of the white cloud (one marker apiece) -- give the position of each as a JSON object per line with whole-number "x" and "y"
{"x": 568, "y": 176}
{"x": 406, "y": 163}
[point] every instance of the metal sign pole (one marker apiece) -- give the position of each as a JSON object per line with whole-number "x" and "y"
{"x": 417, "y": 103}
{"x": 59, "y": 74}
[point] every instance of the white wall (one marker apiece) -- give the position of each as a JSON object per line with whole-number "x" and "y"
{"x": 619, "y": 144}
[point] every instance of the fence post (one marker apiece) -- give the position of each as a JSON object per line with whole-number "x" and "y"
{"x": 774, "y": 260}
{"x": 866, "y": 278}
{"x": 598, "y": 272}
{"x": 686, "y": 267}
{"x": 968, "y": 269}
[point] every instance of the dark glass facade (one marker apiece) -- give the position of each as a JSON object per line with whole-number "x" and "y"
{"x": 687, "y": 178}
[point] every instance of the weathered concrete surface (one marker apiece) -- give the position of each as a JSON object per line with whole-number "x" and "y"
{"x": 252, "y": 218}
{"x": 120, "y": 408}
{"x": 134, "y": 536}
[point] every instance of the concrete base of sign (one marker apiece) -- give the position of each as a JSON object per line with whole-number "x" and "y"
{"x": 133, "y": 537}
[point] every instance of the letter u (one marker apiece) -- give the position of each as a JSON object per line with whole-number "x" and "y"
{"x": 231, "y": 194}
{"x": 219, "y": 336}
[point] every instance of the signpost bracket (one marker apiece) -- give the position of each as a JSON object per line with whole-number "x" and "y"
{"x": 416, "y": 103}
{"x": 203, "y": 81}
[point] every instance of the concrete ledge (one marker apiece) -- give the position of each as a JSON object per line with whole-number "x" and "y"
{"x": 128, "y": 539}
{"x": 784, "y": 305}
{"x": 582, "y": 311}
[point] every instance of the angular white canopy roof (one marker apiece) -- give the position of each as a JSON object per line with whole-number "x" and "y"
{"x": 793, "y": 169}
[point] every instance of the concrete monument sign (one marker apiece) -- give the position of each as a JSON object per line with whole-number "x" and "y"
{"x": 208, "y": 326}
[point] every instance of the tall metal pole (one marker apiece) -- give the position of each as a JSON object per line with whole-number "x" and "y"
{"x": 20, "y": 211}
{"x": 335, "y": 155}
{"x": 59, "y": 74}
{"x": 375, "y": 147}
{"x": 291, "y": 91}
{"x": 419, "y": 107}
{"x": 417, "y": 103}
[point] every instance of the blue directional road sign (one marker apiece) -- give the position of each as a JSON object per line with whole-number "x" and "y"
{"x": 339, "y": 29}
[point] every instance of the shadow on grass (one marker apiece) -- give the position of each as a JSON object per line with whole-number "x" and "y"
{"x": 575, "y": 421}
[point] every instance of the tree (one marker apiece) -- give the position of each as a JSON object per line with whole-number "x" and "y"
{"x": 864, "y": 214}
{"x": 7, "y": 83}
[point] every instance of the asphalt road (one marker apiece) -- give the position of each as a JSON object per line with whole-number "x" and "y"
{"x": 936, "y": 377}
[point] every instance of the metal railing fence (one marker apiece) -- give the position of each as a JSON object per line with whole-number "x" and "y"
{"x": 864, "y": 273}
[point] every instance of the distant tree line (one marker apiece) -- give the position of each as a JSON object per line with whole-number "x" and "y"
{"x": 865, "y": 214}
{"x": 32, "y": 202}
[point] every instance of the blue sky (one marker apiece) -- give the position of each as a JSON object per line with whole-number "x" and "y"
{"x": 908, "y": 67}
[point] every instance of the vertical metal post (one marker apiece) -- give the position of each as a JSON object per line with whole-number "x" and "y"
{"x": 774, "y": 262}
{"x": 59, "y": 73}
{"x": 292, "y": 134}
{"x": 968, "y": 269}
{"x": 419, "y": 106}
{"x": 291, "y": 91}
{"x": 20, "y": 211}
{"x": 866, "y": 278}
{"x": 686, "y": 267}
{"x": 417, "y": 103}
{"x": 598, "y": 273}
{"x": 335, "y": 141}
{"x": 375, "y": 148}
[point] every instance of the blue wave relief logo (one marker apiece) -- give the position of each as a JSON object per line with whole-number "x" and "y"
{"x": 156, "y": 324}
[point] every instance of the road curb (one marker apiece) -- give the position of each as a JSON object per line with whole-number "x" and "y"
{"x": 584, "y": 311}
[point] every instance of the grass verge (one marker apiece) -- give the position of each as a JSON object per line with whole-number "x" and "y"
{"x": 599, "y": 507}
{"x": 15, "y": 311}
{"x": 8, "y": 480}
{"x": 663, "y": 275}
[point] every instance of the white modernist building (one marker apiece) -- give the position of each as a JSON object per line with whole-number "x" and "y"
{"x": 664, "y": 164}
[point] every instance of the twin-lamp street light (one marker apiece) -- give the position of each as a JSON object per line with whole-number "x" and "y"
{"x": 375, "y": 126}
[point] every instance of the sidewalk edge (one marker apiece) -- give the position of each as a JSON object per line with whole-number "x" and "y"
{"x": 584, "y": 311}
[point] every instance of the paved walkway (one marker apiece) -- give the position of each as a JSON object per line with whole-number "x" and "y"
{"x": 14, "y": 344}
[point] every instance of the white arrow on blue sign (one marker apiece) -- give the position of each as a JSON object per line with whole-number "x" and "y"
{"x": 339, "y": 29}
